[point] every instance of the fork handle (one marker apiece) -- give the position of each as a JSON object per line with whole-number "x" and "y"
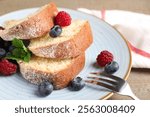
{"x": 134, "y": 97}
{"x": 128, "y": 92}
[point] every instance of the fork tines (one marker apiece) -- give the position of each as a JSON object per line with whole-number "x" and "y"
{"x": 107, "y": 75}
{"x": 101, "y": 84}
{"x": 112, "y": 82}
{"x": 102, "y": 79}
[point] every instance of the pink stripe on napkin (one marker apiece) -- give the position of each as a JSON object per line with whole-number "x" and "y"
{"x": 140, "y": 52}
{"x": 103, "y": 14}
{"x": 135, "y": 27}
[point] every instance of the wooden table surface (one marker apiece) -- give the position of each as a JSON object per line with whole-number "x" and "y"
{"x": 139, "y": 79}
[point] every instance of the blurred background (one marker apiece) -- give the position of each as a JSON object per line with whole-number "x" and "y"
{"x": 142, "y": 6}
{"x": 139, "y": 79}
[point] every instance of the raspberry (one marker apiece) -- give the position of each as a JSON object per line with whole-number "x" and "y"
{"x": 104, "y": 58}
{"x": 7, "y": 68}
{"x": 63, "y": 19}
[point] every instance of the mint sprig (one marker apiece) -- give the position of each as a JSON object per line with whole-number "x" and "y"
{"x": 20, "y": 52}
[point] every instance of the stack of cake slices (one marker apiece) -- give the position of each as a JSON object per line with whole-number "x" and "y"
{"x": 57, "y": 60}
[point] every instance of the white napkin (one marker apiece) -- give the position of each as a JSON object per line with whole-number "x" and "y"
{"x": 135, "y": 27}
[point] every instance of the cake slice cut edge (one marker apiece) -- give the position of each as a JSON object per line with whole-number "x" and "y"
{"x": 73, "y": 41}
{"x": 58, "y": 72}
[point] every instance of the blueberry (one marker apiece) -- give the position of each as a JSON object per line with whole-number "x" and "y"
{"x": 4, "y": 44}
{"x": 8, "y": 53}
{"x": 7, "y": 44}
{"x": 45, "y": 88}
{"x": 76, "y": 84}
{"x": 11, "y": 47}
{"x": 55, "y": 31}
{"x": 111, "y": 67}
{"x": 2, "y": 53}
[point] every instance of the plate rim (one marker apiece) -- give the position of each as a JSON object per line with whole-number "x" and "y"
{"x": 123, "y": 38}
{"x": 130, "y": 63}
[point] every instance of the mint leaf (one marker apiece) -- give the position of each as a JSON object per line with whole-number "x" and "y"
{"x": 20, "y": 52}
{"x": 25, "y": 49}
{"x": 17, "y": 43}
{"x": 27, "y": 57}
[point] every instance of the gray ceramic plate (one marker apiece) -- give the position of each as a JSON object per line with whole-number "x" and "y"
{"x": 105, "y": 38}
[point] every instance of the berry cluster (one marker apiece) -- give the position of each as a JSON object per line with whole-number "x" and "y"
{"x": 6, "y": 67}
{"x": 105, "y": 59}
{"x": 62, "y": 19}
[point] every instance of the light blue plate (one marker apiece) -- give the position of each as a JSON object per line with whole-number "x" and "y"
{"x": 105, "y": 38}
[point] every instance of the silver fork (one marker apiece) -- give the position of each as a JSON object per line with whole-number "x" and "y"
{"x": 113, "y": 83}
